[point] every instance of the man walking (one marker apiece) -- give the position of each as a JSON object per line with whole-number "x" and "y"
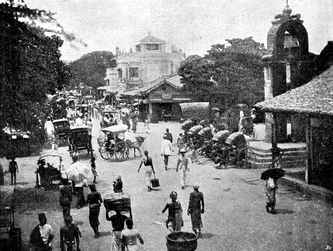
{"x": 66, "y": 197}
{"x": 196, "y": 207}
{"x": 69, "y": 236}
{"x": 13, "y": 168}
{"x": 168, "y": 135}
{"x": 166, "y": 150}
{"x": 42, "y": 235}
{"x": 182, "y": 165}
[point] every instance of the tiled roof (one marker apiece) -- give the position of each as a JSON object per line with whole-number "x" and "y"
{"x": 149, "y": 39}
{"x": 315, "y": 97}
{"x": 173, "y": 81}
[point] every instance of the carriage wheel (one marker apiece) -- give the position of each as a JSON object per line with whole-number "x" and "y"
{"x": 104, "y": 153}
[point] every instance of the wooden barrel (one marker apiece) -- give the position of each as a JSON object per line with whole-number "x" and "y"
{"x": 181, "y": 241}
{"x": 117, "y": 202}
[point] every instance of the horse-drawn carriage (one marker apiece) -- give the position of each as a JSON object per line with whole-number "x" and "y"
{"x": 109, "y": 117}
{"x": 79, "y": 139}
{"x": 62, "y": 130}
{"x": 48, "y": 170}
{"x": 112, "y": 144}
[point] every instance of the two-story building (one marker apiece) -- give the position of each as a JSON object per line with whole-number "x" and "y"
{"x": 151, "y": 59}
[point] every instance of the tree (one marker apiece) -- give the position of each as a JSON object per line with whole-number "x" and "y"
{"x": 234, "y": 70}
{"x": 90, "y": 68}
{"x": 30, "y": 66}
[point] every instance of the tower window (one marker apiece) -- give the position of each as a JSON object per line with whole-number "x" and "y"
{"x": 133, "y": 72}
{"x": 152, "y": 47}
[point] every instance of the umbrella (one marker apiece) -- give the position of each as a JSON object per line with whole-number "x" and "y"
{"x": 274, "y": 173}
{"x": 78, "y": 172}
{"x": 237, "y": 139}
{"x": 221, "y": 135}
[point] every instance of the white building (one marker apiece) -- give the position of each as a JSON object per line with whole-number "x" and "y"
{"x": 152, "y": 59}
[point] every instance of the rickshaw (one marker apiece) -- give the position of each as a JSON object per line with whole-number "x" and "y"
{"x": 79, "y": 139}
{"x": 62, "y": 130}
{"x": 205, "y": 136}
{"x": 113, "y": 144}
{"x": 10, "y": 235}
{"x": 220, "y": 150}
{"x": 83, "y": 108}
{"x": 194, "y": 138}
{"x": 48, "y": 170}
{"x": 109, "y": 117}
{"x": 238, "y": 147}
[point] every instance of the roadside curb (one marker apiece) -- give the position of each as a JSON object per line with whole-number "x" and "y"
{"x": 312, "y": 190}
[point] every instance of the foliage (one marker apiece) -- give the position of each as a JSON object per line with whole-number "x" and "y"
{"x": 30, "y": 67}
{"x": 90, "y": 68}
{"x": 233, "y": 72}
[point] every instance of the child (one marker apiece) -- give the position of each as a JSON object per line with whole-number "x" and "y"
{"x": 118, "y": 185}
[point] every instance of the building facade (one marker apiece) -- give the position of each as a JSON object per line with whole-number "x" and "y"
{"x": 151, "y": 59}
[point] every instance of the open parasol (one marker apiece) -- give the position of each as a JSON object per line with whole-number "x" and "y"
{"x": 237, "y": 139}
{"x": 274, "y": 173}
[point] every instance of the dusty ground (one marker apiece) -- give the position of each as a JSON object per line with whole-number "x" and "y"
{"x": 235, "y": 217}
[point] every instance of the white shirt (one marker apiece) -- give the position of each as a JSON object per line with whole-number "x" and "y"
{"x": 166, "y": 147}
{"x": 49, "y": 127}
{"x": 45, "y": 232}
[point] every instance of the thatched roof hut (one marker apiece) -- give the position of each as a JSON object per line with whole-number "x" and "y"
{"x": 315, "y": 97}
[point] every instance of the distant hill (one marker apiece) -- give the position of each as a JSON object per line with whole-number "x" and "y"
{"x": 90, "y": 68}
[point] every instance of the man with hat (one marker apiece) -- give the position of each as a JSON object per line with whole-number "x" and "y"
{"x": 182, "y": 165}
{"x": 166, "y": 150}
{"x": 196, "y": 207}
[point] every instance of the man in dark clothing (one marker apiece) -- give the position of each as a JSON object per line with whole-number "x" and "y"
{"x": 118, "y": 223}
{"x": 94, "y": 200}
{"x": 196, "y": 207}
{"x": 69, "y": 236}
{"x": 168, "y": 135}
{"x": 66, "y": 198}
{"x": 13, "y": 168}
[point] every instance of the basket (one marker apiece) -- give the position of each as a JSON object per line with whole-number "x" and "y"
{"x": 117, "y": 202}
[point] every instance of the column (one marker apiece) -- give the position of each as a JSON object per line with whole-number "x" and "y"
{"x": 309, "y": 150}
{"x": 268, "y": 95}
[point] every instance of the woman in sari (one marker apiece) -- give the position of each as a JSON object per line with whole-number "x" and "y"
{"x": 175, "y": 216}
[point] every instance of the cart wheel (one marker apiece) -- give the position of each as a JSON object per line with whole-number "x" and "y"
{"x": 104, "y": 153}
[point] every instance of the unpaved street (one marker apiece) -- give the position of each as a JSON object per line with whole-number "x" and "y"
{"x": 235, "y": 217}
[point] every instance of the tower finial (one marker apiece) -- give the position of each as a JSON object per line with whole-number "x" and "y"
{"x": 287, "y": 3}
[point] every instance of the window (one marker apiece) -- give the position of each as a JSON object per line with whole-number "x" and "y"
{"x": 138, "y": 48}
{"x": 133, "y": 72}
{"x": 152, "y": 47}
{"x": 120, "y": 74}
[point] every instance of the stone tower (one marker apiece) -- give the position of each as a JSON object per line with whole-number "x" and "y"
{"x": 286, "y": 66}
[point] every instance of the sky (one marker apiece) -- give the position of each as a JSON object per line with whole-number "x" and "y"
{"x": 192, "y": 25}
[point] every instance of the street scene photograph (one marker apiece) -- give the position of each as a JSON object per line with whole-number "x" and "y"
{"x": 166, "y": 125}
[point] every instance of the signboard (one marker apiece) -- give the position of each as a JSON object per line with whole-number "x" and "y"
{"x": 166, "y": 95}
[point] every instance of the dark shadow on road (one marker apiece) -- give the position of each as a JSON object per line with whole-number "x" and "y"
{"x": 206, "y": 235}
{"x": 284, "y": 211}
{"x": 105, "y": 233}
